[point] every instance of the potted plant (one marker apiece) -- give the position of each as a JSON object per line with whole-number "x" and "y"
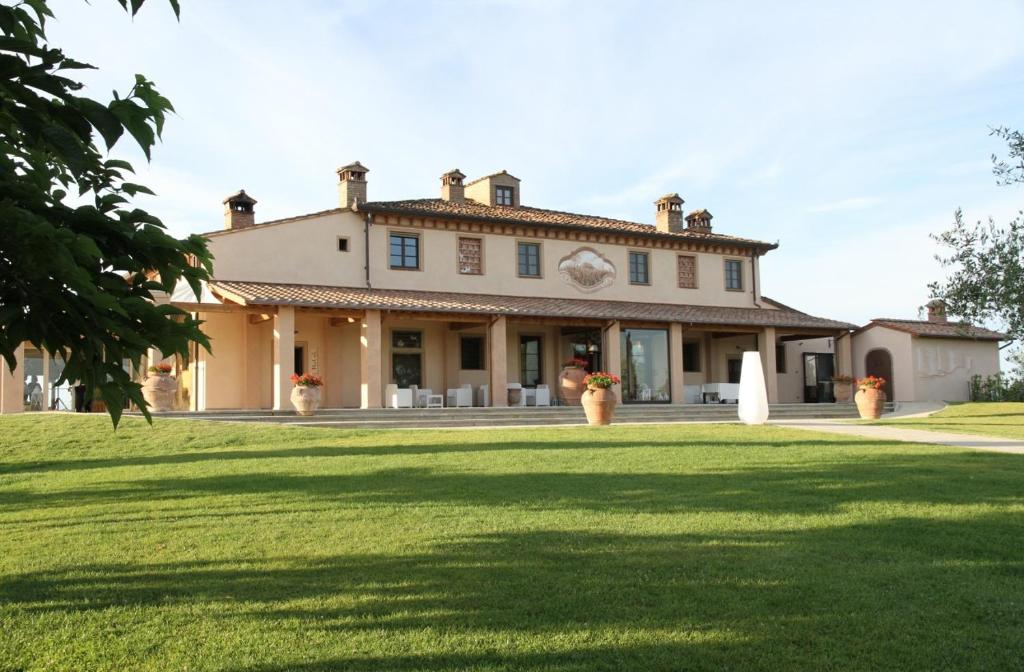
{"x": 598, "y": 399}
{"x": 570, "y": 381}
{"x": 306, "y": 393}
{"x": 841, "y": 388}
{"x": 160, "y": 388}
{"x": 870, "y": 398}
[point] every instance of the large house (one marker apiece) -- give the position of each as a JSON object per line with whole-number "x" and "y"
{"x": 474, "y": 288}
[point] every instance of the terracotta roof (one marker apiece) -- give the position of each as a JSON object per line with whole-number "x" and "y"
{"x": 358, "y": 298}
{"x": 273, "y": 222}
{"x": 485, "y": 177}
{"x": 471, "y": 210}
{"x": 938, "y": 329}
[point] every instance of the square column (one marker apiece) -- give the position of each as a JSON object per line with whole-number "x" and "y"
{"x": 497, "y": 364}
{"x": 766, "y": 344}
{"x": 371, "y": 389}
{"x": 611, "y": 348}
{"x": 675, "y": 363}
{"x": 12, "y": 383}
{"x": 284, "y": 356}
{"x": 844, "y": 354}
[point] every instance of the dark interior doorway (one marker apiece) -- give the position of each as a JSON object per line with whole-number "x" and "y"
{"x": 878, "y": 362}
{"x": 818, "y": 371}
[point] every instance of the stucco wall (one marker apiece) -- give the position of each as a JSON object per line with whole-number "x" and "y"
{"x": 306, "y": 251}
{"x": 791, "y": 383}
{"x": 943, "y": 367}
{"x": 899, "y": 346}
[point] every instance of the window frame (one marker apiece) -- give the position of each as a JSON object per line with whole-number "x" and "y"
{"x": 419, "y": 249}
{"x": 630, "y": 255}
{"x": 540, "y": 259}
{"x": 502, "y": 189}
{"x": 483, "y": 352}
{"x": 696, "y": 271}
{"x": 539, "y": 338}
{"x": 725, "y": 274}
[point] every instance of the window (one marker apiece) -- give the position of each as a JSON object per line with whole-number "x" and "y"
{"x": 687, "y": 267}
{"x": 504, "y": 196}
{"x": 529, "y": 260}
{"x": 472, "y": 354}
{"x": 471, "y": 261}
{"x": 405, "y": 251}
{"x": 691, "y": 357}
{"x": 734, "y": 275}
{"x": 639, "y": 268}
{"x": 406, "y": 358}
{"x": 406, "y": 339}
{"x": 342, "y": 244}
{"x": 735, "y": 368}
{"x": 645, "y": 366}
{"x": 529, "y": 361}
{"x": 300, "y": 359}
{"x": 780, "y": 359}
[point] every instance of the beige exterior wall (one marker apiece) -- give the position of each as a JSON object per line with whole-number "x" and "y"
{"x": 899, "y": 346}
{"x": 306, "y": 252}
{"x": 303, "y": 251}
{"x": 943, "y": 367}
{"x": 791, "y": 383}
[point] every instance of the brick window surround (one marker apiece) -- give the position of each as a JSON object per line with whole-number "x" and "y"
{"x": 687, "y": 271}
{"x": 471, "y": 258}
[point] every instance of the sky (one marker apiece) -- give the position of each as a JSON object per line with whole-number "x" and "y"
{"x": 846, "y": 132}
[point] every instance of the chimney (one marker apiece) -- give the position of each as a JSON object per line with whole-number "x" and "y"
{"x": 937, "y": 311}
{"x": 238, "y": 211}
{"x": 452, "y": 188}
{"x": 699, "y": 221}
{"x": 669, "y": 216}
{"x": 352, "y": 184}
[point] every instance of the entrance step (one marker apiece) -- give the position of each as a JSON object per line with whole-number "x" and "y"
{"x": 389, "y": 418}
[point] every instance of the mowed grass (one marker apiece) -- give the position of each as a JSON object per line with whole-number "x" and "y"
{"x": 1004, "y": 420}
{"x": 198, "y": 546}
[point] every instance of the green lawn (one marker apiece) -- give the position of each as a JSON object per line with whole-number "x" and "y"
{"x": 993, "y": 419}
{"x": 705, "y": 547}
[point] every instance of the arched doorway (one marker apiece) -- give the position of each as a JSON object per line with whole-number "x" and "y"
{"x": 878, "y": 362}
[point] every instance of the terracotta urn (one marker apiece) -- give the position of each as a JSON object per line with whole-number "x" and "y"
{"x": 570, "y": 385}
{"x": 599, "y": 405}
{"x": 870, "y": 402}
{"x": 159, "y": 391}
{"x": 841, "y": 391}
{"x": 306, "y": 399}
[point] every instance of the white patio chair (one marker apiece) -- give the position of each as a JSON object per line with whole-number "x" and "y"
{"x": 542, "y": 396}
{"x": 460, "y": 397}
{"x": 400, "y": 397}
{"x": 484, "y": 395}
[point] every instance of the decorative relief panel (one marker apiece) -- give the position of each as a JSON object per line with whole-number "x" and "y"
{"x": 586, "y": 269}
{"x": 687, "y": 271}
{"x": 471, "y": 256}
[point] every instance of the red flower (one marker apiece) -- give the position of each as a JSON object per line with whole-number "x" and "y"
{"x": 307, "y": 380}
{"x": 869, "y": 382}
{"x": 601, "y": 379}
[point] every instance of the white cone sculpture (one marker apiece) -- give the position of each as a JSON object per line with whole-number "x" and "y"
{"x": 753, "y": 406}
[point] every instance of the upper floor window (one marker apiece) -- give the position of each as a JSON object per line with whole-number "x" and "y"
{"x": 529, "y": 260}
{"x": 734, "y": 275}
{"x": 504, "y": 195}
{"x": 687, "y": 268}
{"x": 405, "y": 251}
{"x": 471, "y": 261}
{"x": 639, "y": 268}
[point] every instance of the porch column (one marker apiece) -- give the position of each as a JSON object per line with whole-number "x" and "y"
{"x": 12, "y": 383}
{"x": 371, "y": 388}
{"x": 497, "y": 364}
{"x": 844, "y": 354}
{"x": 284, "y": 355}
{"x": 766, "y": 342}
{"x": 611, "y": 347}
{"x": 675, "y": 363}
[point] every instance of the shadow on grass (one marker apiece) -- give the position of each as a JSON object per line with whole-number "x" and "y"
{"x": 817, "y": 487}
{"x": 256, "y": 453}
{"x": 835, "y": 597}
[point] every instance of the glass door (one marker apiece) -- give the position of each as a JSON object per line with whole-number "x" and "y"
{"x": 645, "y": 367}
{"x": 818, "y": 371}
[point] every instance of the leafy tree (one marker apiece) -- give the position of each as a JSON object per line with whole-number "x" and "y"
{"x": 987, "y": 259}
{"x": 79, "y": 280}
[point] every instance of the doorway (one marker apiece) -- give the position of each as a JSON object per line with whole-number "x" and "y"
{"x": 819, "y": 367}
{"x": 878, "y": 362}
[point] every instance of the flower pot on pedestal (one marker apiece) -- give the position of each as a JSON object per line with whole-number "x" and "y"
{"x": 598, "y": 399}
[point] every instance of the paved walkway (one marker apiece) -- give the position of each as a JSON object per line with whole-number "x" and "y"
{"x": 890, "y": 433}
